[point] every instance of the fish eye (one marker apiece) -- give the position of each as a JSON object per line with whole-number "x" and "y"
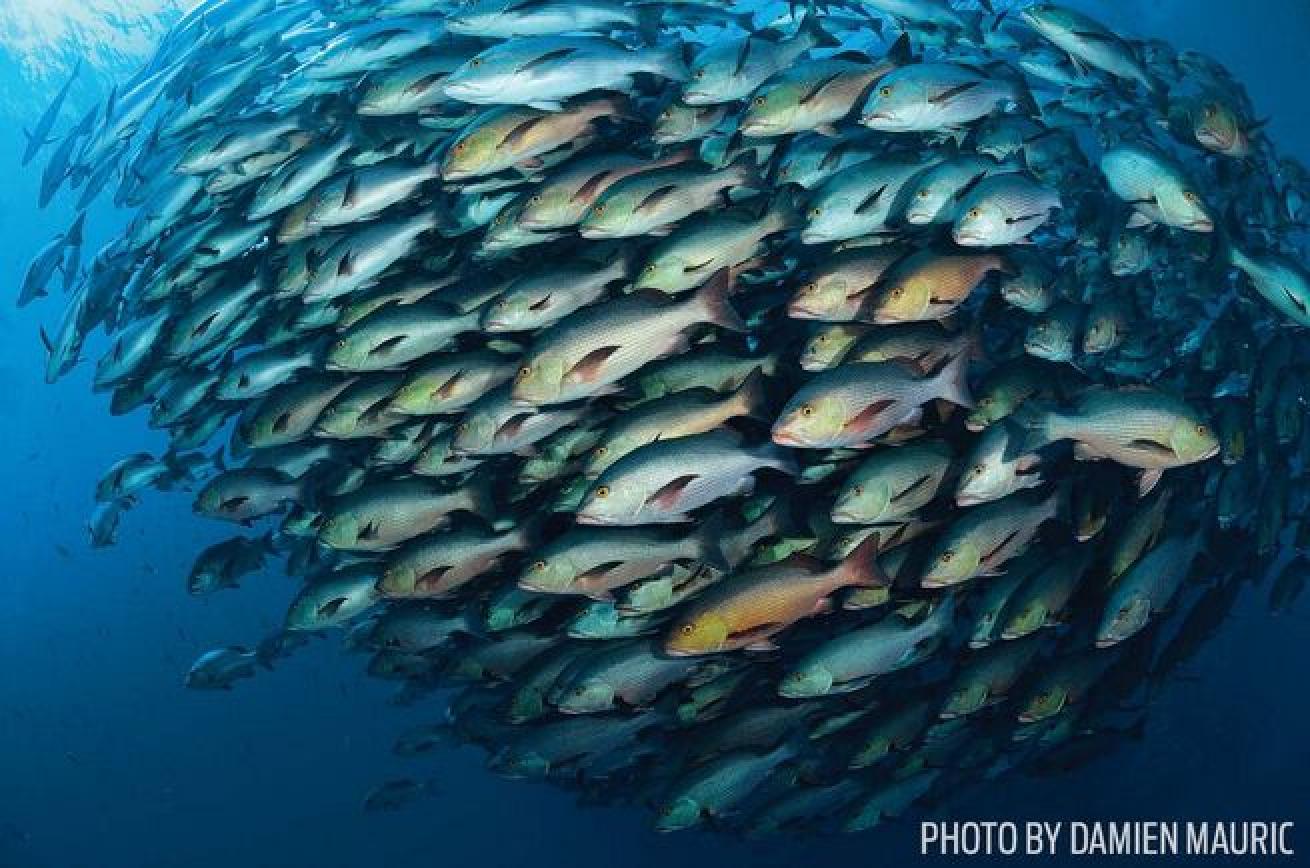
{"x": 897, "y": 292}
{"x": 885, "y": 91}
{"x": 858, "y": 491}
{"x": 341, "y": 344}
{"x": 978, "y": 470}
{"x": 665, "y": 115}
{"x": 459, "y": 147}
{"x": 1191, "y": 197}
{"x": 700, "y": 74}
{"x": 815, "y": 212}
{"x": 946, "y": 557}
{"x": 598, "y": 210}
{"x": 538, "y": 566}
{"x": 649, "y": 269}
{"x": 500, "y": 219}
{"x": 687, "y": 629}
{"x": 759, "y": 101}
{"x": 985, "y": 402}
{"x": 602, "y": 451}
{"x": 602, "y": 492}
{"x": 1202, "y": 431}
{"x": 974, "y": 213}
{"x": 477, "y": 61}
{"x": 823, "y": 338}
{"x": 500, "y": 305}
{"x": 525, "y": 372}
{"x": 923, "y": 194}
{"x": 535, "y": 200}
{"x": 807, "y": 410}
{"x": 1211, "y": 110}
{"x": 462, "y": 428}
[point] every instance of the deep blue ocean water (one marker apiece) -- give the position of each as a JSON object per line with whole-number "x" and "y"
{"x": 105, "y": 760}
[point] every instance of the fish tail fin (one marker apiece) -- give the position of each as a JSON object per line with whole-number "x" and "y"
{"x": 778, "y": 458}
{"x": 812, "y": 28}
{"x": 953, "y": 381}
{"x": 712, "y": 300}
{"x": 671, "y": 63}
{"x": 788, "y": 210}
{"x": 709, "y": 538}
{"x": 751, "y": 398}
{"x": 480, "y": 500}
{"x": 860, "y": 568}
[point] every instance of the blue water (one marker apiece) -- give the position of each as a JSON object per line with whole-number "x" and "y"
{"x": 105, "y": 760}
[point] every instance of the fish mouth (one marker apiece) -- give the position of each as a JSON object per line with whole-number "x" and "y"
{"x": 800, "y": 310}
{"x": 968, "y": 499}
{"x": 785, "y": 438}
{"x": 968, "y": 236}
{"x": 872, "y": 117}
{"x": 592, "y": 233}
{"x": 594, "y": 520}
{"x": 1204, "y": 224}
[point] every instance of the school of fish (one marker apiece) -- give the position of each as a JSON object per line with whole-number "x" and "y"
{"x": 783, "y": 416}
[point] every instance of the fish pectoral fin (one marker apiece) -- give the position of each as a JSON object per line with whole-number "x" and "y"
{"x": 952, "y": 92}
{"x": 864, "y": 420}
{"x": 600, "y": 571}
{"x": 914, "y": 486}
{"x": 757, "y": 637}
{"x": 369, "y": 531}
{"x": 870, "y": 200}
{"x": 591, "y": 366}
{"x": 388, "y": 345}
{"x": 671, "y": 492}
{"x": 234, "y": 503}
{"x": 1148, "y": 481}
{"x": 1025, "y": 218}
{"x": 1298, "y": 303}
{"x": 1151, "y": 446}
{"x": 448, "y": 388}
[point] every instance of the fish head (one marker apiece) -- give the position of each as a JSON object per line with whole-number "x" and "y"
{"x": 1027, "y": 292}
{"x": 929, "y": 202}
{"x": 347, "y": 353}
{"x": 606, "y": 503}
{"x": 1184, "y": 208}
{"x": 771, "y": 112}
{"x": 1101, "y": 335}
{"x": 1218, "y": 128}
{"x": 807, "y": 681}
{"x": 482, "y": 78}
{"x": 1048, "y": 701}
{"x": 897, "y": 104}
{"x": 902, "y": 301}
{"x": 398, "y": 580}
{"x": 209, "y": 501}
{"x": 468, "y": 155}
{"x": 545, "y": 209}
{"x": 653, "y": 595}
{"x": 862, "y": 501}
{"x": 661, "y": 273}
{"x": 519, "y": 762}
{"x": 988, "y": 409}
{"x": 811, "y": 420}
{"x": 1123, "y": 621}
{"x": 680, "y": 813}
{"x": 340, "y": 531}
{"x": 702, "y": 633}
{"x": 980, "y": 225}
{"x": 554, "y": 574}
{"x": 609, "y": 217}
{"x": 1049, "y": 339}
{"x": 952, "y": 564}
{"x": 474, "y": 434}
{"x": 539, "y": 379}
{"x": 513, "y": 311}
{"x": 827, "y": 346}
{"x": 590, "y": 697}
{"x": 824, "y": 297}
{"x": 1031, "y": 618}
{"x": 965, "y": 699}
{"x": 605, "y": 454}
{"x": 1193, "y": 440}
{"x": 981, "y": 482}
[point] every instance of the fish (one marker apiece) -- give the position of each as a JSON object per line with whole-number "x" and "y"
{"x": 749, "y": 609}
{"x": 753, "y": 412}
{"x": 854, "y": 404}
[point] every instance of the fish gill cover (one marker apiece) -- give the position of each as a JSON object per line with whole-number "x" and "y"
{"x": 780, "y": 422}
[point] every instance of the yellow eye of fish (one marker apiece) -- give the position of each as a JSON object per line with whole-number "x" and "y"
{"x": 602, "y": 451}
{"x": 602, "y": 492}
{"x": 978, "y": 470}
{"x": 535, "y": 200}
{"x": 759, "y": 101}
{"x": 341, "y": 344}
{"x": 807, "y": 410}
{"x": 1191, "y": 197}
{"x": 858, "y": 490}
{"x": 1202, "y": 431}
{"x": 477, "y": 61}
{"x": 897, "y": 293}
{"x": 688, "y": 629}
{"x": 700, "y": 74}
{"x": 501, "y": 305}
{"x": 946, "y": 557}
{"x": 539, "y": 566}
{"x": 459, "y": 147}
{"x": 922, "y": 194}
{"x": 598, "y": 210}
{"x": 815, "y": 212}
{"x": 885, "y": 91}
{"x": 974, "y": 213}
{"x": 649, "y": 269}
{"x": 525, "y": 372}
